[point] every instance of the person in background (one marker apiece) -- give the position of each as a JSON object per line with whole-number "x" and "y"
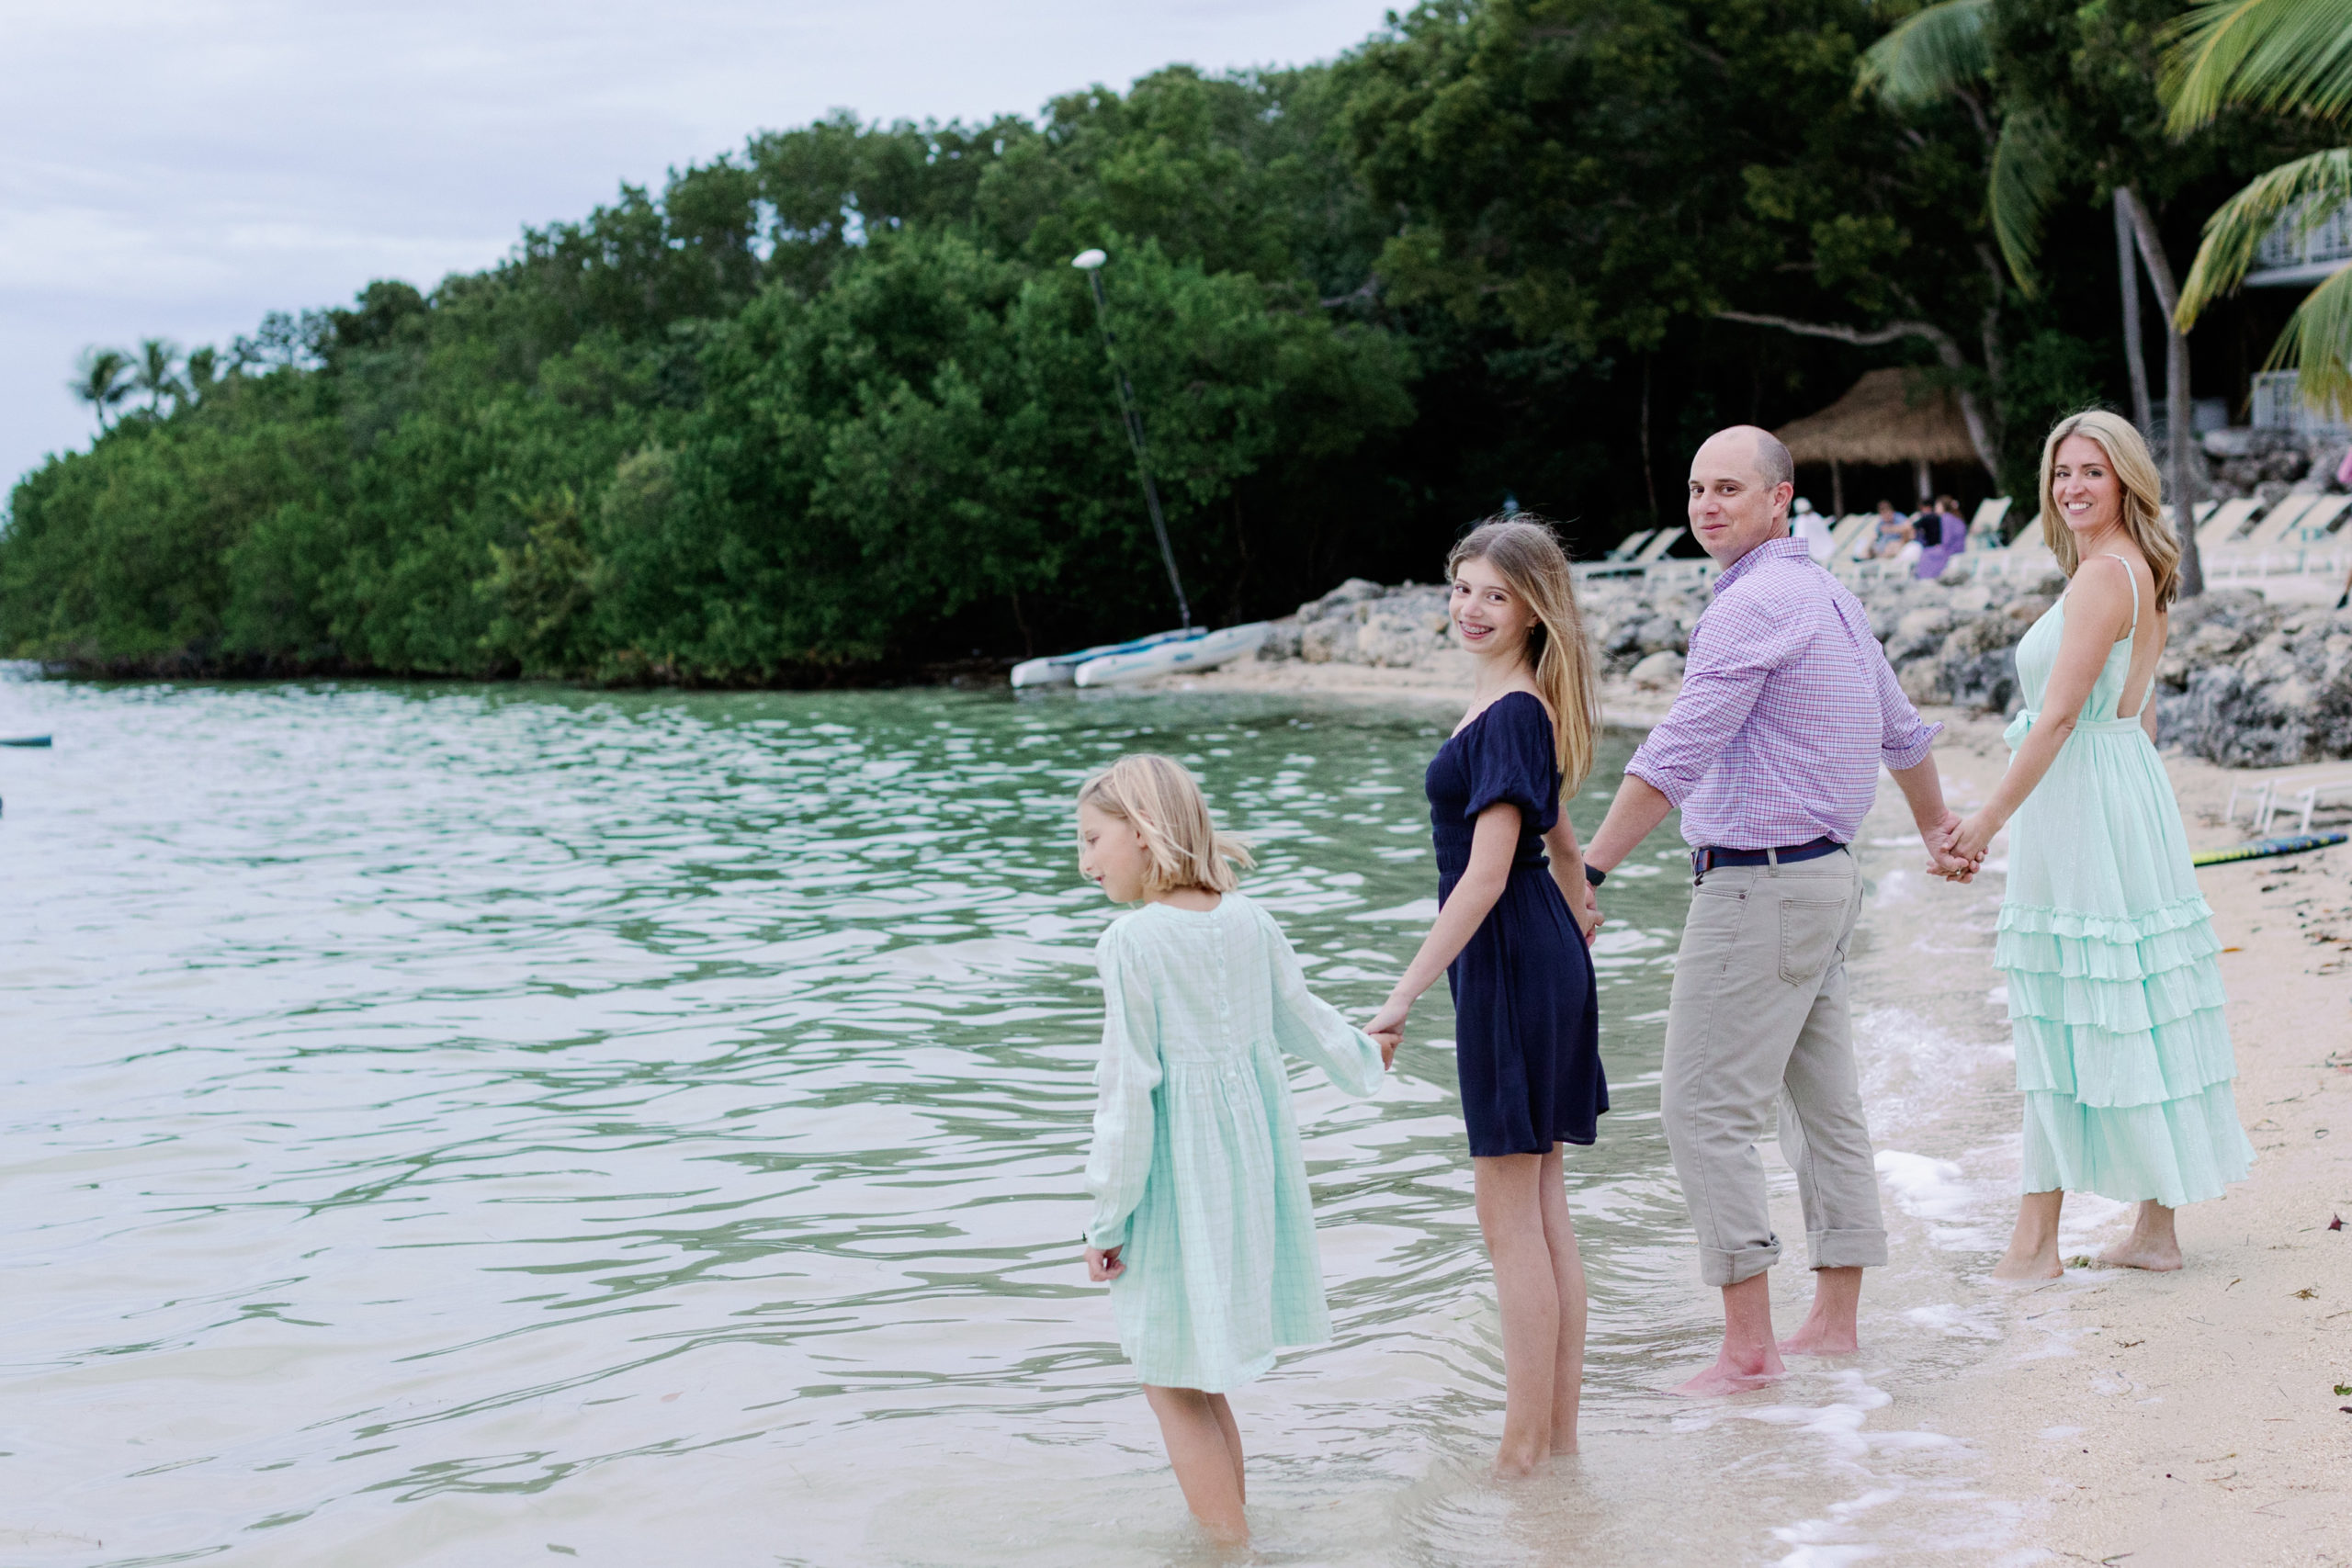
{"x": 1811, "y": 526}
{"x": 1944, "y": 534}
{"x": 1887, "y": 538}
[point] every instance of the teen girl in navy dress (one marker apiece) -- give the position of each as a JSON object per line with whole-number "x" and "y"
{"x": 1510, "y": 937}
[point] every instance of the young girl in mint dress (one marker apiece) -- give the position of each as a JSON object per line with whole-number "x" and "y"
{"x": 1201, "y": 1219}
{"x": 2115, "y": 996}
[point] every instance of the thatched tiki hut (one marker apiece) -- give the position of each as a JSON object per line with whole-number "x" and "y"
{"x": 1886, "y": 419}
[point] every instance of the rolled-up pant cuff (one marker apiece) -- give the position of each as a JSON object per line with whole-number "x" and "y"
{"x": 1719, "y": 1268}
{"x": 1846, "y": 1249}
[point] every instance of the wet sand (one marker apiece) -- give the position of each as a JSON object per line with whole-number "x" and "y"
{"x": 2189, "y": 1417}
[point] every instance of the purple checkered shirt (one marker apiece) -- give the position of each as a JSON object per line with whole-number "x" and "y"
{"x": 1788, "y": 707}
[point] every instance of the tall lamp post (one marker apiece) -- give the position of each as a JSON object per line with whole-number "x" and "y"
{"x": 1090, "y": 263}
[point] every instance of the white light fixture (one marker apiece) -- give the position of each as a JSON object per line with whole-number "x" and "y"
{"x": 1087, "y": 261}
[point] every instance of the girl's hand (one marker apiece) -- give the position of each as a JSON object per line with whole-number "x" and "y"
{"x": 1103, "y": 1264}
{"x": 1587, "y": 913}
{"x": 1971, "y": 838}
{"x": 1390, "y": 1018}
{"x": 1387, "y": 1041}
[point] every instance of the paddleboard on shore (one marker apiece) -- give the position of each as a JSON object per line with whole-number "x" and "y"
{"x": 1059, "y": 669}
{"x": 24, "y": 740}
{"x": 2263, "y": 848}
{"x": 1189, "y": 655}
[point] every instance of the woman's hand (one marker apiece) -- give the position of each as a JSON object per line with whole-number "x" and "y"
{"x": 1972, "y": 837}
{"x": 1101, "y": 1264}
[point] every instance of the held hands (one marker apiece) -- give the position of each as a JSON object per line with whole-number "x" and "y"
{"x": 1950, "y": 854}
{"x": 1588, "y": 914}
{"x": 1974, "y": 836}
{"x": 1387, "y": 1028}
{"x": 1102, "y": 1264}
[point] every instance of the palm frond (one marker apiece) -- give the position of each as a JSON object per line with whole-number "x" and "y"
{"x": 2318, "y": 344}
{"x": 2018, "y": 189}
{"x": 2316, "y": 186}
{"x": 1933, "y": 53}
{"x": 2294, "y": 56}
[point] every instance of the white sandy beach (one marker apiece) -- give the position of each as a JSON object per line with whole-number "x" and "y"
{"x": 2186, "y": 1418}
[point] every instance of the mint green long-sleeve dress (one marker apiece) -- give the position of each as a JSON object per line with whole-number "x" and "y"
{"x": 1196, "y": 1169}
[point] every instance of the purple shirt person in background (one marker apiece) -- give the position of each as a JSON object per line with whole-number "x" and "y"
{"x": 1947, "y": 536}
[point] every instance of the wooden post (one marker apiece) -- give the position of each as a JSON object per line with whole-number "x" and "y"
{"x": 1837, "y": 490}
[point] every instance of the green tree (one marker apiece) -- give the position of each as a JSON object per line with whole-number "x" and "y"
{"x": 2287, "y": 57}
{"x": 102, "y": 379}
{"x": 156, "y": 372}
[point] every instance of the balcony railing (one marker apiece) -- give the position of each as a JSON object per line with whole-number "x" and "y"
{"x": 2287, "y": 257}
{"x": 2279, "y": 405}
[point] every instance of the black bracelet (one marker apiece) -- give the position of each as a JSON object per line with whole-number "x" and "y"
{"x": 1593, "y": 875}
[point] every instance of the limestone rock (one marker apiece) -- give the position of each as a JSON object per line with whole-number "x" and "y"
{"x": 1659, "y": 672}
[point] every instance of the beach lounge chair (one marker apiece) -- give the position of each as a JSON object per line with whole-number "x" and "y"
{"x": 2326, "y": 513}
{"x": 1629, "y": 544}
{"x": 2290, "y": 511}
{"x": 1984, "y": 528}
{"x": 1655, "y": 549}
{"x": 1851, "y": 528}
{"x": 2227, "y": 519}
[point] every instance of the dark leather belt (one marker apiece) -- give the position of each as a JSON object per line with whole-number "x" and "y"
{"x": 1703, "y": 861}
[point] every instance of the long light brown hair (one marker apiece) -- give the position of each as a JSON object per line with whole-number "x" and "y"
{"x": 1528, "y": 554}
{"x": 1182, "y": 845}
{"x": 2135, "y": 470}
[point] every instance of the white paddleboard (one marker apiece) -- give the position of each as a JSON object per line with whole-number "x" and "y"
{"x": 1205, "y": 652}
{"x": 1058, "y": 669}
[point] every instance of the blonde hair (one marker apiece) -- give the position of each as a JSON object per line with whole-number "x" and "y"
{"x": 2135, "y": 470}
{"x": 1528, "y": 554}
{"x": 1160, "y": 800}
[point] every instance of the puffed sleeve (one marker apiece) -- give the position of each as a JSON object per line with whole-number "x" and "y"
{"x": 1311, "y": 1029}
{"x": 1510, "y": 758}
{"x": 1124, "y": 1080}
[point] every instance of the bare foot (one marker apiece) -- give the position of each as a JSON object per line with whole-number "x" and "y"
{"x": 1731, "y": 1374}
{"x": 1563, "y": 1443}
{"x": 1821, "y": 1340}
{"x": 2135, "y": 1252}
{"x": 1517, "y": 1464}
{"x": 2017, "y": 1267}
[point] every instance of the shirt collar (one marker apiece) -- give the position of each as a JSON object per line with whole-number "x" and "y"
{"x": 1771, "y": 550}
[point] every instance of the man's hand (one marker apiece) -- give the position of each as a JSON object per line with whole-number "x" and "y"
{"x": 1102, "y": 1264}
{"x": 1947, "y": 857}
{"x": 1587, "y": 913}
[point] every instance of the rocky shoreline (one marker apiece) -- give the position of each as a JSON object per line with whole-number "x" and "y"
{"x": 2244, "y": 682}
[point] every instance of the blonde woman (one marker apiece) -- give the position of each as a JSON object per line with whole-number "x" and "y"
{"x": 2115, "y": 999}
{"x": 1509, "y": 937}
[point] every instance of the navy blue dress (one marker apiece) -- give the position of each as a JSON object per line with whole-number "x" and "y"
{"x": 1527, "y": 1012}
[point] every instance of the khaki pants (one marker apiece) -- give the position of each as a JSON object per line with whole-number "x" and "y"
{"x": 1759, "y": 1014}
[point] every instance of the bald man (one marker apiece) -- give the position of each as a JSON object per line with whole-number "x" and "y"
{"x": 1772, "y": 750}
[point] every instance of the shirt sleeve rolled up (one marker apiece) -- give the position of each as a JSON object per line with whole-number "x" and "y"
{"x": 1733, "y": 648}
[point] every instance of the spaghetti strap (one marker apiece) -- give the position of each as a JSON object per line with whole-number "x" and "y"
{"x": 2133, "y": 578}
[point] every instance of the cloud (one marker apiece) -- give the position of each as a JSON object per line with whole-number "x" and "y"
{"x": 179, "y": 169}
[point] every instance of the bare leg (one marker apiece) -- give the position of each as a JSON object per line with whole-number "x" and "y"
{"x": 1232, "y": 1431}
{"x": 2034, "y": 1247}
{"x": 1568, "y": 1277}
{"x": 2152, "y": 1244}
{"x": 1510, "y": 1216}
{"x": 1205, "y": 1468}
{"x": 1830, "y": 1328}
{"x": 1748, "y": 1355}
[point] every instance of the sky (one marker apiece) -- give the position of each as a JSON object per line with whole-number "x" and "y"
{"x": 178, "y": 169}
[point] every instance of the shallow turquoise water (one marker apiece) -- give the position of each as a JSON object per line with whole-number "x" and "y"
{"x": 465, "y": 1125}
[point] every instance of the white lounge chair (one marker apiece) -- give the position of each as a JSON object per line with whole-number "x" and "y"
{"x": 1629, "y": 544}
{"x": 1851, "y": 529}
{"x": 1984, "y": 528}
{"x": 2227, "y": 519}
{"x": 1655, "y": 549}
{"x": 2321, "y": 520}
{"x": 2283, "y": 516}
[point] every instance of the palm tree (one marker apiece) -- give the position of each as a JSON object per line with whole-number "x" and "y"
{"x": 2293, "y": 57}
{"x": 102, "y": 380}
{"x": 203, "y": 373}
{"x": 156, "y": 373}
{"x": 1945, "y": 50}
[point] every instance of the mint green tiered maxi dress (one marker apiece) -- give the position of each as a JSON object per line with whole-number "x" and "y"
{"x": 2115, "y": 996}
